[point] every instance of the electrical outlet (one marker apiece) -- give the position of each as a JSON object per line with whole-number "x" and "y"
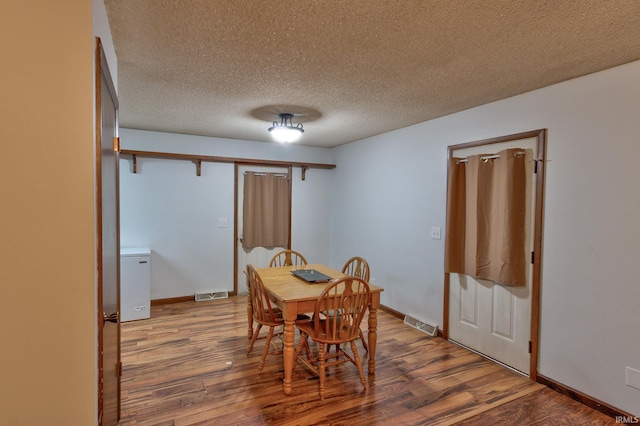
{"x": 633, "y": 377}
{"x": 435, "y": 232}
{"x": 222, "y": 222}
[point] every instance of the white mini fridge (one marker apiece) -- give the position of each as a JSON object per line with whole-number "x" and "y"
{"x": 135, "y": 283}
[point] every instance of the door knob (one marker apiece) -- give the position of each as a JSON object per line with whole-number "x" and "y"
{"x": 111, "y": 317}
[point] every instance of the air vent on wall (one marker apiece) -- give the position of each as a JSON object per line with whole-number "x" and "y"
{"x": 431, "y": 330}
{"x": 201, "y": 297}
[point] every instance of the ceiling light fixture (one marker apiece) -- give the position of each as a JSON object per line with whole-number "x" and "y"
{"x": 285, "y": 131}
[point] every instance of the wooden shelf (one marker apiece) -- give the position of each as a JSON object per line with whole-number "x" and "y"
{"x": 198, "y": 159}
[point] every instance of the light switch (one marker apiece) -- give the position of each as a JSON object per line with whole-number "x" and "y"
{"x": 435, "y": 232}
{"x": 633, "y": 378}
{"x": 222, "y": 222}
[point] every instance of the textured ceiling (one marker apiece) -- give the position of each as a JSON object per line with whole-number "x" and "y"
{"x": 349, "y": 69}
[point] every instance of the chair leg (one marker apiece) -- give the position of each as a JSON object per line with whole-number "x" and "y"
{"x": 303, "y": 344}
{"x": 356, "y": 358}
{"x": 307, "y": 348}
{"x": 321, "y": 370}
{"x": 364, "y": 342}
{"x": 265, "y": 351}
{"x": 254, "y": 338}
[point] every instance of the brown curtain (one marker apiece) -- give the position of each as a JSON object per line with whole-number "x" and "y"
{"x": 486, "y": 212}
{"x": 266, "y": 208}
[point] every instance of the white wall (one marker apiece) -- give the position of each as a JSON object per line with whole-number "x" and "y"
{"x": 391, "y": 191}
{"x": 166, "y": 207}
{"x": 590, "y": 295}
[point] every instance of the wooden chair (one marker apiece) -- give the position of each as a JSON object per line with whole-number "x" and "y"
{"x": 250, "y": 319}
{"x": 358, "y": 267}
{"x": 343, "y": 304}
{"x": 263, "y": 314}
{"x": 287, "y": 258}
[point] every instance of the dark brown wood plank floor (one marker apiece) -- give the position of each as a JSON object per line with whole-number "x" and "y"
{"x": 187, "y": 365}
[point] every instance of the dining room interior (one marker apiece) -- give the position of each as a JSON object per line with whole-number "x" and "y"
{"x": 133, "y": 127}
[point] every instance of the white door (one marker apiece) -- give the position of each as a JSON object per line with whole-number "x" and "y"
{"x": 258, "y": 256}
{"x": 490, "y": 318}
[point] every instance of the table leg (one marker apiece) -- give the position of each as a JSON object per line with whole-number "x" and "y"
{"x": 288, "y": 353}
{"x": 373, "y": 339}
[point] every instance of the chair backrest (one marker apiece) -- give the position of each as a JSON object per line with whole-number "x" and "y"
{"x": 343, "y": 304}
{"x": 357, "y": 267}
{"x": 260, "y": 303}
{"x": 287, "y": 258}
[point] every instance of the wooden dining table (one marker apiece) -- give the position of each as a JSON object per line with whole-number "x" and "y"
{"x": 295, "y": 296}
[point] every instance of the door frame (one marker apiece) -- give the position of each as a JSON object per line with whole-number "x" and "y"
{"x": 102, "y": 71}
{"x": 539, "y": 167}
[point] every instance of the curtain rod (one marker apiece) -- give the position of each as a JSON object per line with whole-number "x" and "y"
{"x": 491, "y": 157}
{"x": 284, "y": 175}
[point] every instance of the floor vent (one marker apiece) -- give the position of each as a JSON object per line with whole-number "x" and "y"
{"x": 431, "y": 330}
{"x": 201, "y": 297}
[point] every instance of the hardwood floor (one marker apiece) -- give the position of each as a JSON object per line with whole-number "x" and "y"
{"x": 187, "y": 365}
